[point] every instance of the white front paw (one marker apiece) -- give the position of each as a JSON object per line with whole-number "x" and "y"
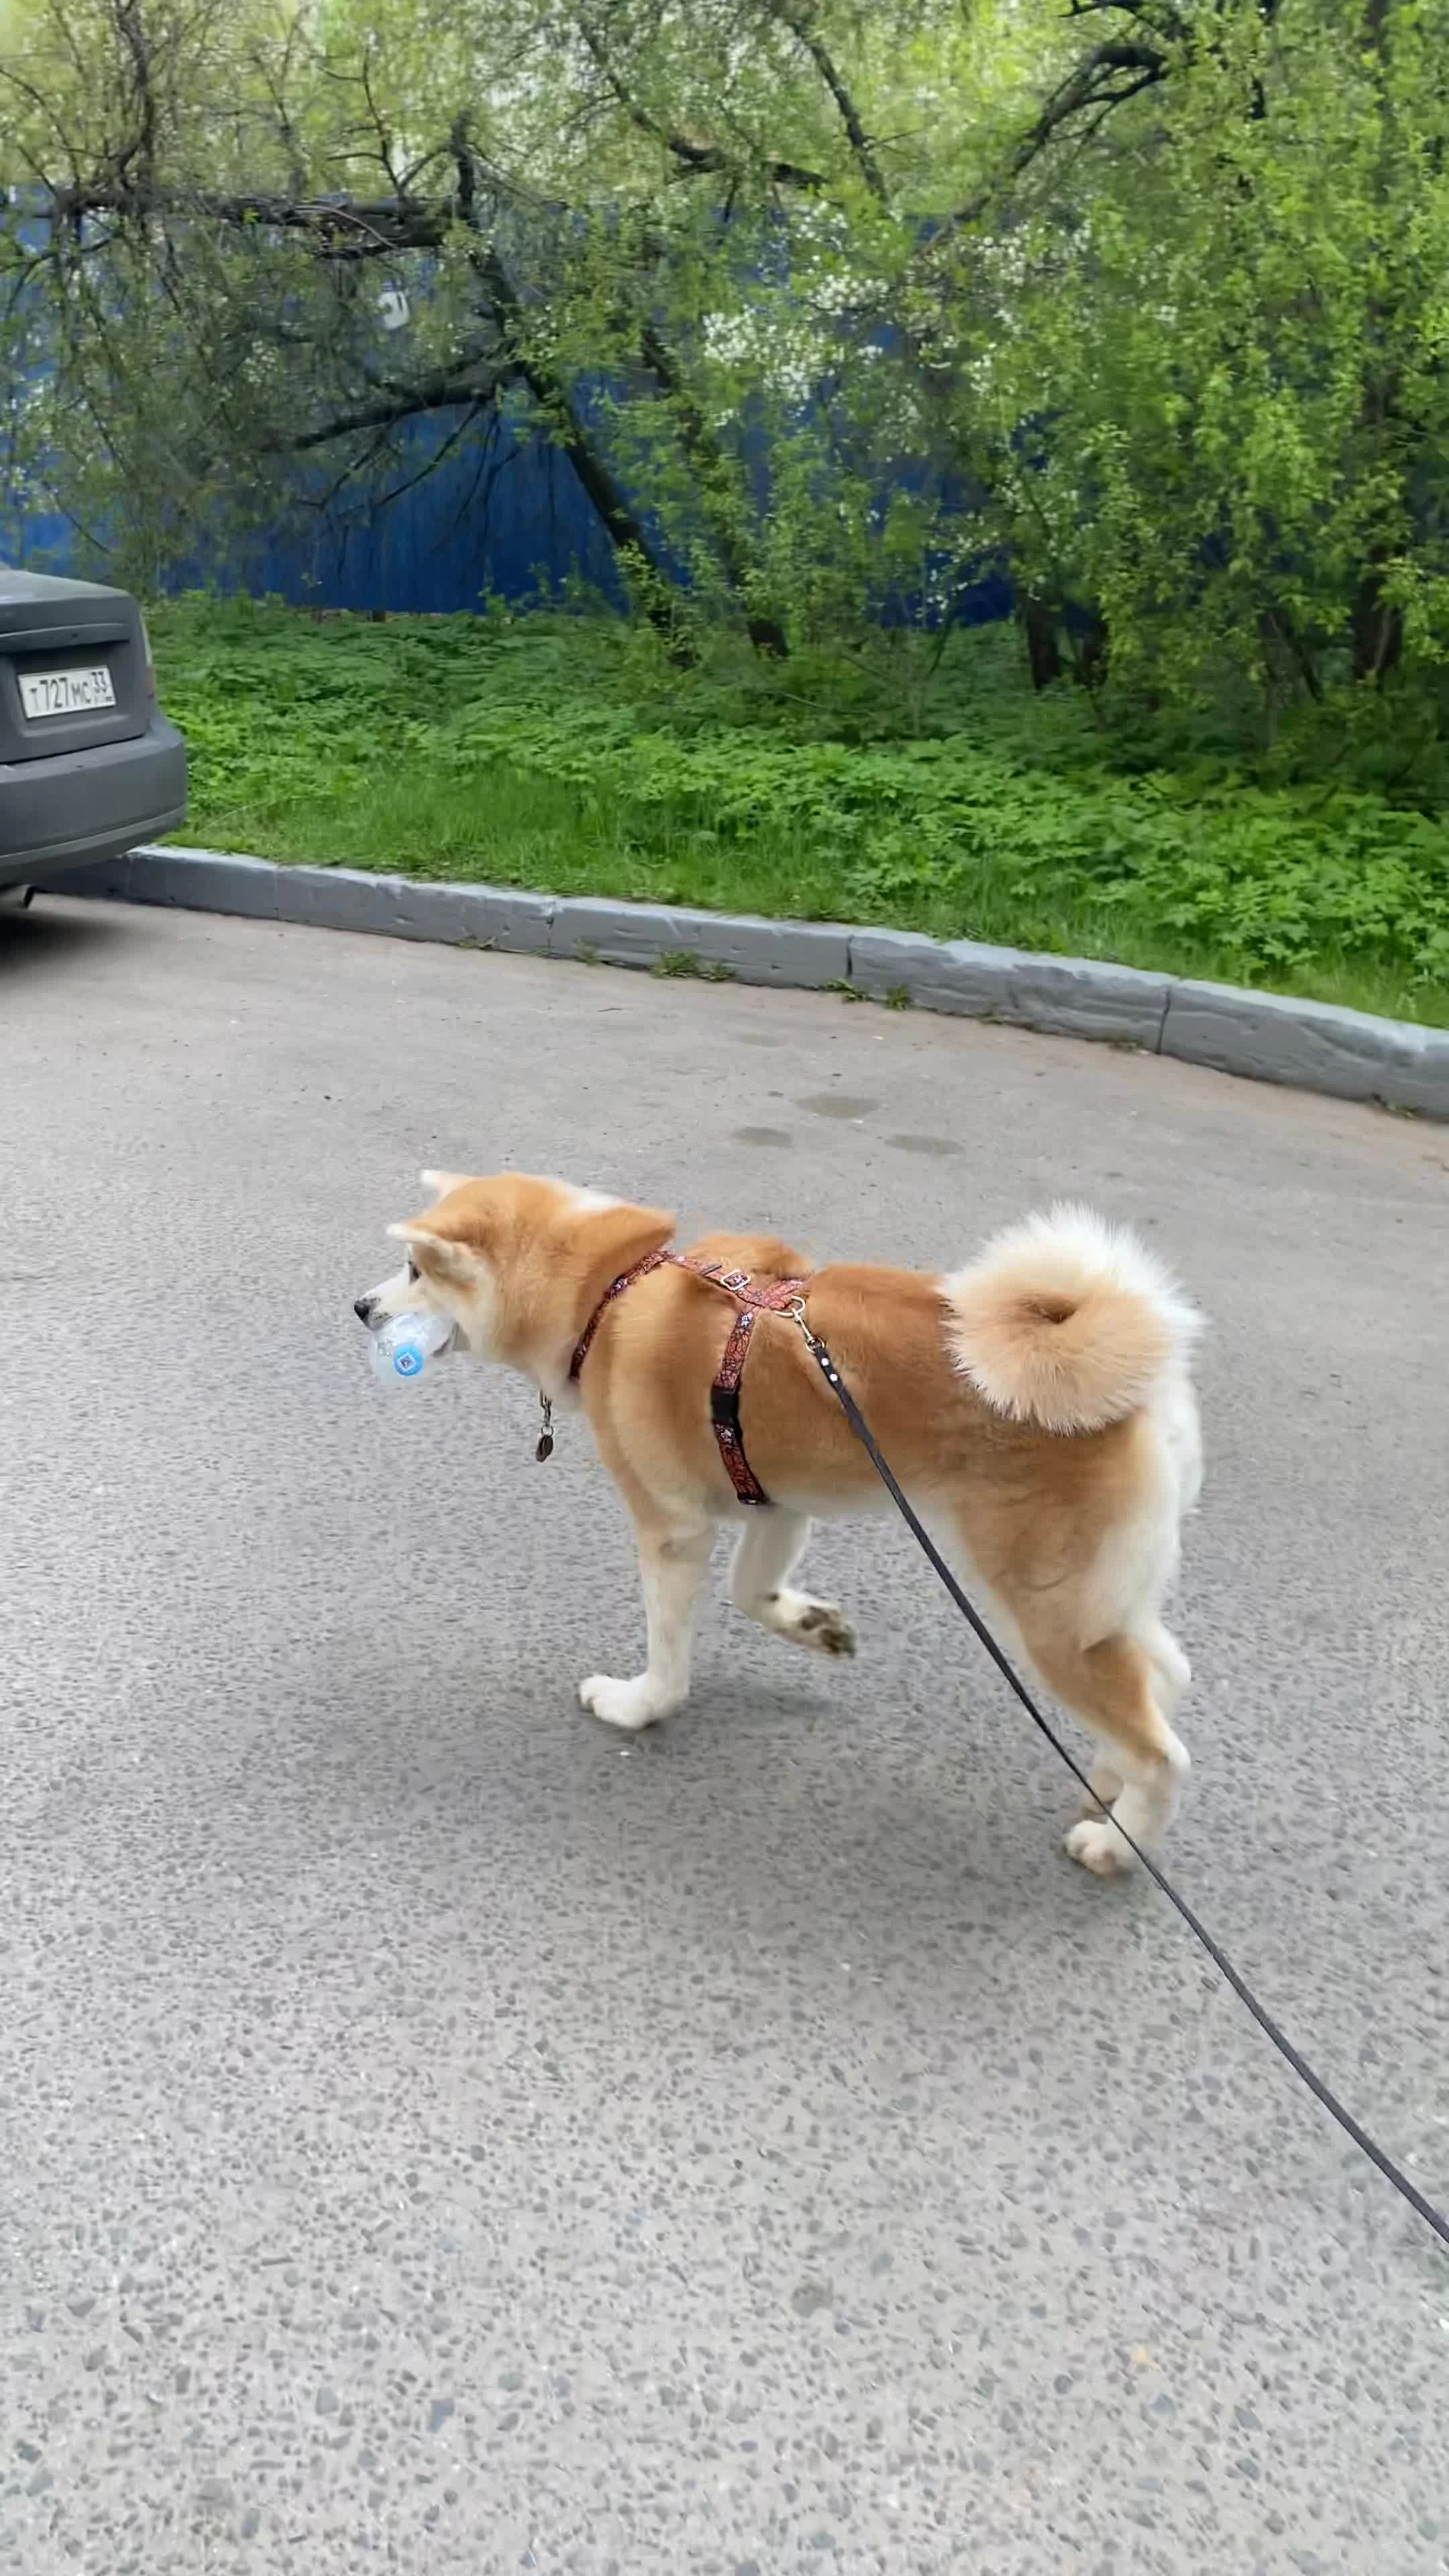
{"x": 629, "y": 1705}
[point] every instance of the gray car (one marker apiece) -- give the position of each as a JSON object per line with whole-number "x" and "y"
{"x": 89, "y": 766}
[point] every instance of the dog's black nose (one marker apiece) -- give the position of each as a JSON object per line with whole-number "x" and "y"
{"x": 362, "y": 1309}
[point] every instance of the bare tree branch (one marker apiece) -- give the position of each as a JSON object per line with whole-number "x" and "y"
{"x": 343, "y": 227}
{"x": 443, "y": 393}
{"x": 558, "y": 409}
{"x": 687, "y": 150}
{"x": 715, "y": 480}
{"x": 798, "y": 16}
{"x": 1105, "y": 80}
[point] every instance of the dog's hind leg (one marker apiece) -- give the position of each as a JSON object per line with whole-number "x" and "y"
{"x": 771, "y": 1546}
{"x": 672, "y": 1564}
{"x": 1171, "y": 1673}
{"x": 1170, "y": 1665}
{"x": 1106, "y": 1787}
{"x": 1111, "y": 1687}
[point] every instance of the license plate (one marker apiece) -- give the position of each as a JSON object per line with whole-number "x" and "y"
{"x": 66, "y": 693}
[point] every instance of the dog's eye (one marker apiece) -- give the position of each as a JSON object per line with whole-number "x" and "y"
{"x": 412, "y": 1270}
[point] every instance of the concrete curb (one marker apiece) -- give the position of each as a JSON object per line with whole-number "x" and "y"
{"x": 1263, "y": 1036}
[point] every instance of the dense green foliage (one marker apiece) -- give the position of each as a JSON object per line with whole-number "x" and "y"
{"x": 568, "y": 753}
{"x": 1142, "y": 302}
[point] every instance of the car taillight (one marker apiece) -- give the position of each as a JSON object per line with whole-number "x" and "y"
{"x": 150, "y": 665}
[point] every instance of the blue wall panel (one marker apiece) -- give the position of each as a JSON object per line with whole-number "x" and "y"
{"x": 501, "y": 512}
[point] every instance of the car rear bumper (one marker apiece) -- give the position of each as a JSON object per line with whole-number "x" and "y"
{"x": 84, "y": 806}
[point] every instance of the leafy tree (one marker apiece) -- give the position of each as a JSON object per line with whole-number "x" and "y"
{"x": 825, "y": 302}
{"x": 1211, "y": 380}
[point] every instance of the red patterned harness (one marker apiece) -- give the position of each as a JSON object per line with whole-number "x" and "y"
{"x": 751, "y": 1297}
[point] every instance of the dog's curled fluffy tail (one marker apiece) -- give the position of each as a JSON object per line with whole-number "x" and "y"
{"x": 1067, "y": 1321}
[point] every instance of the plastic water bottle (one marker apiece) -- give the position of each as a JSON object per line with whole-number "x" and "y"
{"x": 401, "y": 1348}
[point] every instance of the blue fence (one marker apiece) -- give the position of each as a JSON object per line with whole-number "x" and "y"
{"x": 502, "y": 512}
{"x": 469, "y": 510}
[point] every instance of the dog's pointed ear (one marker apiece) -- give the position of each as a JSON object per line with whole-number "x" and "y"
{"x": 440, "y": 1253}
{"x": 442, "y": 1184}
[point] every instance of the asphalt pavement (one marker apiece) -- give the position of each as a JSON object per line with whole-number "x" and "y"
{"x": 436, "y": 2136}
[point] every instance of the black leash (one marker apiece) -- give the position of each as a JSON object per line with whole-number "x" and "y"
{"x": 1425, "y": 2209}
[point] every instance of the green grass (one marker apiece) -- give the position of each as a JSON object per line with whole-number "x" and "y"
{"x": 564, "y": 753}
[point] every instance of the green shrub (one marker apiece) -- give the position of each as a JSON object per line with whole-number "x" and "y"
{"x": 562, "y": 753}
